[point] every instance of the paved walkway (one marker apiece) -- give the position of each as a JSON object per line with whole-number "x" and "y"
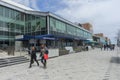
{"x": 89, "y": 65}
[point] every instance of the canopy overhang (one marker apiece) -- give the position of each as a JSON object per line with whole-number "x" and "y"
{"x": 48, "y": 37}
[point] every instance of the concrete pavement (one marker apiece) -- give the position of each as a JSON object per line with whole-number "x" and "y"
{"x": 88, "y": 65}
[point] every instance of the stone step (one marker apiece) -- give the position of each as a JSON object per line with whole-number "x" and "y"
{"x": 15, "y": 63}
{"x": 2, "y": 60}
{"x": 12, "y": 57}
{"x": 12, "y": 61}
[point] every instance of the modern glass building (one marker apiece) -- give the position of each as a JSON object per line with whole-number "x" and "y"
{"x": 43, "y": 27}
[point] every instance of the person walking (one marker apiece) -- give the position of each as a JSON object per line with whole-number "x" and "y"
{"x": 87, "y": 48}
{"x": 101, "y": 46}
{"x": 33, "y": 57}
{"x": 113, "y": 46}
{"x": 104, "y": 47}
{"x": 44, "y": 55}
{"x": 107, "y": 46}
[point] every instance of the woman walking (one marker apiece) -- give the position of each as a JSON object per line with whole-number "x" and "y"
{"x": 44, "y": 55}
{"x": 33, "y": 57}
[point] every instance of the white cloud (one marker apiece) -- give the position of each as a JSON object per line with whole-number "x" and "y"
{"x": 29, "y": 3}
{"x": 102, "y": 14}
{"x": 34, "y": 5}
{"x": 24, "y": 2}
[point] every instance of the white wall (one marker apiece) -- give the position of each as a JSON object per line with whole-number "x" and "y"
{"x": 18, "y": 45}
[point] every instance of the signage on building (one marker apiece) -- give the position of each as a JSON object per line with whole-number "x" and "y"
{"x": 18, "y": 36}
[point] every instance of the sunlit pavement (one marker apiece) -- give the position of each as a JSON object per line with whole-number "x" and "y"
{"x": 88, "y": 65}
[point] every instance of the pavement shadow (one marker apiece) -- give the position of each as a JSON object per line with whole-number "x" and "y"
{"x": 115, "y": 60}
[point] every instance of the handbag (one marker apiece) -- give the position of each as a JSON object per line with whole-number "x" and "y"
{"x": 45, "y": 56}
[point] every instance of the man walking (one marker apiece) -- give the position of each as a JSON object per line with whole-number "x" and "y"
{"x": 33, "y": 57}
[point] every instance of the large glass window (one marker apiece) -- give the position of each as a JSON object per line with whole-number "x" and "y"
{"x": 62, "y": 27}
{"x": 1, "y": 11}
{"x": 42, "y": 22}
{"x": 13, "y": 14}
{"x": 52, "y": 24}
{"x": 35, "y": 25}
{"x": 57, "y": 25}
{"x": 78, "y": 31}
{"x": 11, "y": 23}
{"x": 71, "y": 30}
{"x": 6, "y": 12}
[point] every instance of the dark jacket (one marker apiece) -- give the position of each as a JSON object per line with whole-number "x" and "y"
{"x": 33, "y": 53}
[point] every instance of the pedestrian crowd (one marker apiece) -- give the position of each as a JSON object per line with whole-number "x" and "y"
{"x": 43, "y": 55}
{"x": 108, "y": 47}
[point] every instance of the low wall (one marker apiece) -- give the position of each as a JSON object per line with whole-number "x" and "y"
{"x": 52, "y": 53}
{"x": 63, "y": 52}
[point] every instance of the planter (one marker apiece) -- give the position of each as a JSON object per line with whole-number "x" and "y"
{"x": 63, "y": 52}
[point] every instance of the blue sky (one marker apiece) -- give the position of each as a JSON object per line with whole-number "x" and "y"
{"x": 102, "y": 14}
{"x": 48, "y": 5}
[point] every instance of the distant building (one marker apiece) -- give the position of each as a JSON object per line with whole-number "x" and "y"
{"x": 96, "y": 38}
{"x": 87, "y": 26}
{"x": 99, "y": 34}
{"x": 102, "y": 38}
{"x": 108, "y": 40}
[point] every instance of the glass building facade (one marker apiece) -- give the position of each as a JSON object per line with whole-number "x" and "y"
{"x": 14, "y": 22}
{"x": 69, "y": 32}
{"x": 35, "y": 25}
{"x": 58, "y": 26}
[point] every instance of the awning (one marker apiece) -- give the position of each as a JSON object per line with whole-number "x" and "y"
{"x": 46, "y": 37}
{"x": 90, "y": 41}
{"x": 28, "y": 37}
{"x": 49, "y": 37}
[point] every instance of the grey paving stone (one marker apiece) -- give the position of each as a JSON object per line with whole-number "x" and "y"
{"x": 89, "y": 65}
